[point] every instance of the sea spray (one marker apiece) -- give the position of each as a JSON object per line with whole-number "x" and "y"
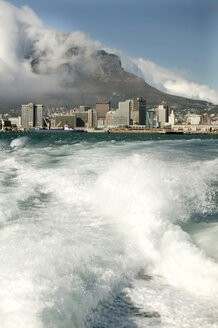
{"x": 91, "y": 231}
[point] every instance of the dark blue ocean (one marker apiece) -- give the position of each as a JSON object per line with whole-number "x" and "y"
{"x": 108, "y": 231}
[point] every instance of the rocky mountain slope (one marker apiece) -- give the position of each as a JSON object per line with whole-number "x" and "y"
{"x": 102, "y": 78}
{"x": 86, "y": 77}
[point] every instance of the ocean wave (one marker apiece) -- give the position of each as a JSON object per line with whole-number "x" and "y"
{"x": 100, "y": 228}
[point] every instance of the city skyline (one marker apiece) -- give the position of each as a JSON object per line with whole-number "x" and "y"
{"x": 131, "y": 116}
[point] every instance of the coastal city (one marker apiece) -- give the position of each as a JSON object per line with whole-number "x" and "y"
{"x": 131, "y": 116}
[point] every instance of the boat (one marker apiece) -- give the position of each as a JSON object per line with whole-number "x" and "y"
{"x": 174, "y": 132}
{"x": 66, "y": 129}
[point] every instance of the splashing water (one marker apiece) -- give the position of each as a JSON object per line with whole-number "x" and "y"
{"x": 19, "y": 142}
{"x": 108, "y": 231}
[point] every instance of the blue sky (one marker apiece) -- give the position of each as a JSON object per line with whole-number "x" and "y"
{"x": 174, "y": 34}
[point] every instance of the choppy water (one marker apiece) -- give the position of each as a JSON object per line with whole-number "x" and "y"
{"x": 108, "y": 231}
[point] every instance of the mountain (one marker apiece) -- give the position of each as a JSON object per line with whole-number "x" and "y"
{"x": 103, "y": 79}
{"x": 87, "y": 77}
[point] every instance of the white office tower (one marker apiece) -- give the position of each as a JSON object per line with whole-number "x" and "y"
{"x": 109, "y": 117}
{"x": 163, "y": 113}
{"x": 172, "y": 118}
{"x": 122, "y": 114}
{"x": 156, "y": 121}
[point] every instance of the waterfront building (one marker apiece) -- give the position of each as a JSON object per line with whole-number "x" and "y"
{"x": 101, "y": 122}
{"x": 101, "y": 109}
{"x": 31, "y": 115}
{"x": 142, "y": 110}
{"x": 92, "y": 119}
{"x": 137, "y": 111}
{"x": 195, "y": 128}
{"x": 109, "y": 117}
{"x": 122, "y": 114}
{"x": 162, "y": 112}
{"x": 156, "y": 120}
{"x": 193, "y": 118}
{"x": 206, "y": 119}
{"x": 61, "y": 120}
{"x": 172, "y": 118}
{"x": 134, "y": 112}
{"x": 150, "y": 118}
{"x": 4, "y": 124}
{"x": 77, "y": 119}
{"x": 39, "y": 112}
{"x": 15, "y": 121}
{"x": 27, "y": 116}
{"x": 81, "y": 119}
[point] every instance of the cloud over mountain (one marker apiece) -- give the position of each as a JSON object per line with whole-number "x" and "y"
{"x": 174, "y": 82}
{"x": 36, "y": 61}
{"x": 31, "y": 54}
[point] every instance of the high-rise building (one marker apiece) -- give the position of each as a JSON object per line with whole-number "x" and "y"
{"x": 102, "y": 108}
{"x": 142, "y": 110}
{"x": 39, "y": 112}
{"x": 134, "y": 113}
{"x": 172, "y": 118}
{"x": 31, "y": 115}
{"x": 162, "y": 112}
{"x": 150, "y": 118}
{"x": 138, "y": 109}
{"x": 28, "y": 116}
{"x": 92, "y": 119}
{"x": 109, "y": 117}
{"x": 122, "y": 114}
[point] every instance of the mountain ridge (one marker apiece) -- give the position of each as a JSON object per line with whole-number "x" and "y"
{"x": 98, "y": 76}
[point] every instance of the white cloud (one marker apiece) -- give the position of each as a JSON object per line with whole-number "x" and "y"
{"x": 24, "y": 38}
{"x": 170, "y": 81}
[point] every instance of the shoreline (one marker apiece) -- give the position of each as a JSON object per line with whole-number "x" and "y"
{"x": 129, "y": 132}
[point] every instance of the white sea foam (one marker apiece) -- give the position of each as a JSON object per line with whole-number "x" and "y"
{"x": 75, "y": 227}
{"x": 19, "y": 142}
{"x": 205, "y": 236}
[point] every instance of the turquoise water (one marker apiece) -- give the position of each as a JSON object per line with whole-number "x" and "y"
{"x": 102, "y": 230}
